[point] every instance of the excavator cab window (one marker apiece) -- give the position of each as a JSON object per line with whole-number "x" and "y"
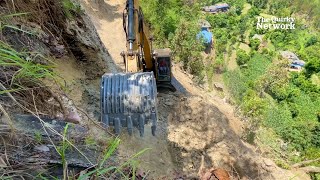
{"x": 163, "y": 70}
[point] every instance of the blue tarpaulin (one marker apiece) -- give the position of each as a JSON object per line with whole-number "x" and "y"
{"x": 206, "y": 35}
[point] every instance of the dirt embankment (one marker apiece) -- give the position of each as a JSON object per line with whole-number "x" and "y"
{"x": 73, "y": 47}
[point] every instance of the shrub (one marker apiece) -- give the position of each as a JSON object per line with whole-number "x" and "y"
{"x": 222, "y": 38}
{"x": 313, "y": 66}
{"x": 261, "y": 4}
{"x": 242, "y": 57}
{"x": 254, "y": 43}
{"x": 187, "y": 48}
{"x": 252, "y": 104}
{"x": 69, "y": 8}
{"x": 315, "y": 137}
{"x": 311, "y": 41}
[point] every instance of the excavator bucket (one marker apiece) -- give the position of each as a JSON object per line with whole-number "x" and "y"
{"x": 129, "y": 100}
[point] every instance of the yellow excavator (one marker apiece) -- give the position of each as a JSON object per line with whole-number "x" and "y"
{"x": 129, "y": 99}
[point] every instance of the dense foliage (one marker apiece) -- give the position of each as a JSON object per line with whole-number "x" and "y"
{"x": 176, "y": 25}
{"x": 287, "y": 103}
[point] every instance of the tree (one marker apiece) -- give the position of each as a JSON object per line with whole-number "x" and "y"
{"x": 313, "y": 66}
{"x": 261, "y": 4}
{"x": 186, "y": 47}
{"x": 242, "y": 57}
{"x": 254, "y": 43}
{"x": 311, "y": 41}
{"x": 253, "y": 12}
{"x": 315, "y": 136}
{"x": 276, "y": 80}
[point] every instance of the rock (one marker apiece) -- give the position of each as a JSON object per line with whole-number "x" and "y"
{"x": 226, "y": 100}
{"x": 59, "y": 51}
{"x": 218, "y": 86}
{"x": 268, "y": 165}
{"x": 73, "y": 117}
{"x": 59, "y": 116}
{"x": 257, "y": 36}
{"x": 268, "y": 162}
{"x": 168, "y": 103}
{"x": 30, "y": 124}
{"x": 54, "y": 122}
{"x": 42, "y": 148}
{"x": 181, "y": 119}
{"x": 187, "y": 117}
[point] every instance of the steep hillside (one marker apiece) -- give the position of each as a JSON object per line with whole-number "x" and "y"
{"x": 52, "y": 56}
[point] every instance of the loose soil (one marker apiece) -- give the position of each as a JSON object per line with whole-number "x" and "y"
{"x": 192, "y": 122}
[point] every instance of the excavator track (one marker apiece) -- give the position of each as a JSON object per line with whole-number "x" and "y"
{"x": 129, "y": 100}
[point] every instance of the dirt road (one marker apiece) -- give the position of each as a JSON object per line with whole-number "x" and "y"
{"x": 192, "y": 121}
{"x": 107, "y": 18}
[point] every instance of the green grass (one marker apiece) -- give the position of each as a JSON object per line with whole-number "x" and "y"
{"x": 70, "y": 8}
{"x": 22, "y": 64}
{"x": 5, "y": 22}
{"x": 23, "y": 68}
{"x": 90, "y": 141}
{"x": 102, "y": 171}
{"x": 62, "y": 152}
{"x": 28, "y": 69}
{"x": 38, "y": 137}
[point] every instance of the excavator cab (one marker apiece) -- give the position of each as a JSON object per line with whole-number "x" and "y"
{"x": 163, "y": 71}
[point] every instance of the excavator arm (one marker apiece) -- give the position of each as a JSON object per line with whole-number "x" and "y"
{"x": 128, "y": 100}
{"x": 139, "y": 42}
{"x": 140, "y": 55}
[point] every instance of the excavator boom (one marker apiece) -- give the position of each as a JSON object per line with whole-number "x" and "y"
{"x": 129, "y": 99}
